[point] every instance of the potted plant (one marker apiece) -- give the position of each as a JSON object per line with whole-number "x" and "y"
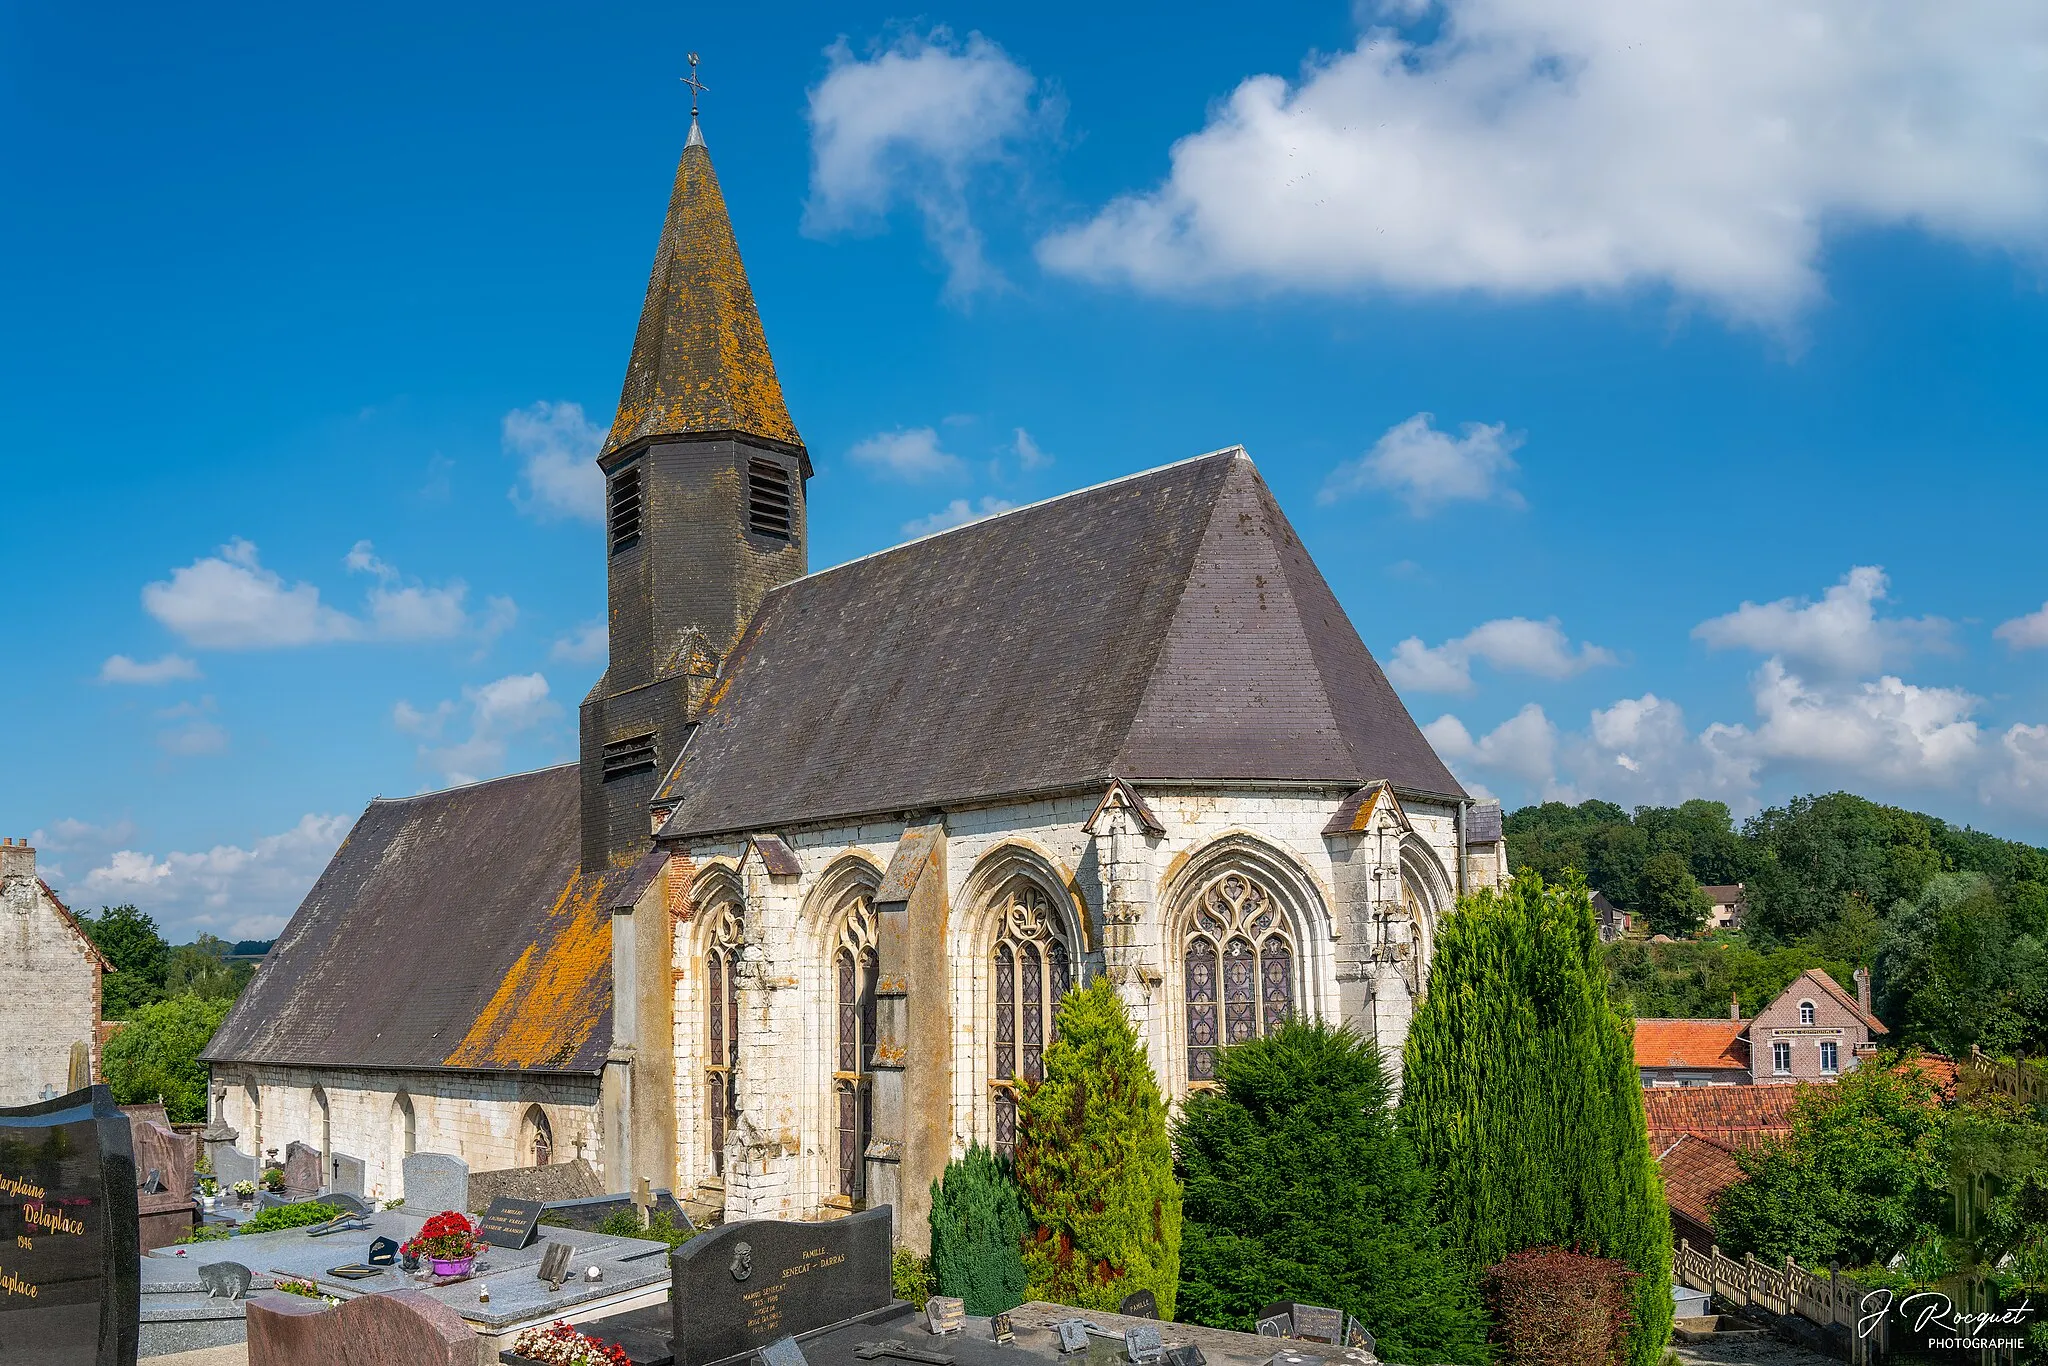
{"x": 245, "y": 1191}
{"x": 448, "y": 1242}
{"x": 273, "y": 1180}
{"x": 560, "y": 1345}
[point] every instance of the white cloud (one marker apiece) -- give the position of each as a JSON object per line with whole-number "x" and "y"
{"x": 2029, "y": 632}
{"x": 959, "y": 512}
{"x": 1427, "y": 468}
{"x": 194, "y": 738}
{"x": 1028, "y": 453}
{"x": 229, "y": 601}
{"x": 169, "y": 669}
{"x": 557, "y": 450}
{"x": 1524, "y": 148}
{"x": 913, "y": 454}
{"x": 1511, "y": 644}
{"x": 72, "y": 842}
{"x": 584, "y": 645}
{"x": 1524, "y": 746}
{"x": 1888, "y": 730}
{"x": 229, "y": 890}
{"x": 912, "y": 123}
{"x": 1840, "y": 634}
{"x": 498, "y": 712}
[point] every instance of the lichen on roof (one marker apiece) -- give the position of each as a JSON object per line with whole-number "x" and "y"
{"x": 553, "y": 1000}
{"x": 700, "y": 361}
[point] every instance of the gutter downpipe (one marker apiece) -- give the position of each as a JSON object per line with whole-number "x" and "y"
{"x": 1464, "y": 881}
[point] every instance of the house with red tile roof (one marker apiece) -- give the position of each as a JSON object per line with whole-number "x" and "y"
{"x": 1813, "y": 1031}
{"x": 1696, "y": 1171}
{"x": 1736, "y": 1117}
{"x": 1693, "y": 1052}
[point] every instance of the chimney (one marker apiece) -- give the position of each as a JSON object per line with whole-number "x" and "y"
{"x": 1863, "y": 989}
{"x": 1734, "y": 1006}
{"x": 17, "y": 859}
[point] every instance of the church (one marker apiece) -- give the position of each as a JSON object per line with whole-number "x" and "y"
{"x": 793, "y": 930}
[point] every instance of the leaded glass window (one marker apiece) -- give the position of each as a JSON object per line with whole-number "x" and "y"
{"x": 1238, "y": 970}
{"x": 722, "y": 1029}
{"x": 854, "y": 970}
{"x": 1033, "y": 968}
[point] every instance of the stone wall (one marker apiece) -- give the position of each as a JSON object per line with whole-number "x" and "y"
{"x": 480, "y": 1117}
{"x": 1121, "y": 880}
{"x": 49, "y": 984}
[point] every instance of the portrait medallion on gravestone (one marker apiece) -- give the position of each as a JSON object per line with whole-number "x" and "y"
{"x": 1139, "y": 1304}
{"x": 1142, "y": 1346}
{"x": 70, "y": 1275}
{"x": 743, "y": 1285}
{"x": 945, "y": 1314}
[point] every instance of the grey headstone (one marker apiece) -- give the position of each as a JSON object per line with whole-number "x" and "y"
{"x": 344, "y": 1174}
{"x": 436, "y": 1182}
{"x": 349, "y": 1204}
{"x": 231, "y": 1165}
{"x": 1073, "y": 1336}
{"x": 1142, "y": 1346}
{"x": 225, "y": 1280}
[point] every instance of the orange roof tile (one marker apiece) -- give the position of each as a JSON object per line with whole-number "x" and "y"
{"x": 1692, "y": 1043}
{"x": 1733, "y": 1116}
{"x": 1696, "y": 1171}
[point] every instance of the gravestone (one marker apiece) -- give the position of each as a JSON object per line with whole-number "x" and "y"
{"x": 344, "y": 1174}
{"x": 166, "y": 1213}
{"x": 554, "y": 1264}
{"x": 1139, "y": 1304}
{"x": 70, "y": 1279}
{"x": 1308, "y": 1322}
{"x": 304, "y": 1173}
{"x": 398, "y": 1328}
{"x": 435, "y": 1182}
{"x": 225, "y": 1280}
{"x": 744, "y": 1285}
{"x": 230, "y": 1164}
{"x": 509, "y": 1223}
{"x": 1142, "y": 1346}
{"x": 945, "y": 1314}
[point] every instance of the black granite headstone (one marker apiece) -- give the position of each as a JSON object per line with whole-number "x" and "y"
{"x": 509, "y": 1222}
{"x": 383, "y": 1252}
{"x": 70, "y": 1274}
{"x": 743, "y": 1285}
{"x": 1139, "y": 1304}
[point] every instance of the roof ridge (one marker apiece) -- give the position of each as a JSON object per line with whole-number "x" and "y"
{"x": 480, "y": 782}
{"x": 1009, "y": 512}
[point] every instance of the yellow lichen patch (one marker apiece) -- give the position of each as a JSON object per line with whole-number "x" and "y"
{"x": 554, "y": 998}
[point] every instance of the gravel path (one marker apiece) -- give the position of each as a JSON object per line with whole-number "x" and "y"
{"x": 1763, "y": 1350}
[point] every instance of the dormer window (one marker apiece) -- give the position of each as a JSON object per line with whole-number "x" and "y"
{"x": 1806, "y": 1013}
{"x": 622, "y": 508}
{"x": 771, "y": 507}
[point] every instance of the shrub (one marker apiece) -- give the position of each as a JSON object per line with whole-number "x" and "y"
{"x": 977, "y": 1224}
{"x": 1299, "y": 1186}
{"x": 910, "y": 1276}
{"x": 661, "y": 1227}
{"x": 1095, "y": 1165}
{"x": 1523, "y": 1100}
{"x": 208, "y": 1233}
{"x": 158, "y": 1055}
{"x": 289, "y": 1216}
{"x": 1556, "y": 1308}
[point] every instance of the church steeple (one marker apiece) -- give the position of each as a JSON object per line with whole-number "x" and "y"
{"x": 704, "y": 508}
{"x": 700, "y": 361}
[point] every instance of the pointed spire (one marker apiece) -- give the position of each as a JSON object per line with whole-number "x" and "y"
{"x": 700, "y": 361}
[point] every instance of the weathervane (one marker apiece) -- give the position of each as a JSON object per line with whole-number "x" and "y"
{"x": 697, "y": 87}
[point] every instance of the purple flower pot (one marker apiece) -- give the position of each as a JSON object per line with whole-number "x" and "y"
{"x": 460, "y": 1268}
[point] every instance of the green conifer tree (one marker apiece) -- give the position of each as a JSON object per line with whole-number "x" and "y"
{"x": 977, "y": 1224}
{"x": 1300, "y": 1186}
{"x": 1522, "y": 1098}
{"x": 1095, "y": 1164}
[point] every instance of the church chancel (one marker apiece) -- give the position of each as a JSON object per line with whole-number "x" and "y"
{"x": 792, "y": 932}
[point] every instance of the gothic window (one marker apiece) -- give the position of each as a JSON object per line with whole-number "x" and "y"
{"x": 1238, "y": 963}
{"x": 540, "y": 1136}
{"x": 854, "y": 969}
{"x": 722, "y": 1028}
{"x": 1033, "y": 970}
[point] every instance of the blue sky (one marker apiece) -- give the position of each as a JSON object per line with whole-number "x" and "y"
{"x": 1659, "y": 389}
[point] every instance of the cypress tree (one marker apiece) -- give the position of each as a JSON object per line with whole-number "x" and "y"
{"x": 1300, "y": 1186}
{"x": 977, "y": 1224}
{"x": 1522, "y": 1097}
{"x": 1095, "y": 1164}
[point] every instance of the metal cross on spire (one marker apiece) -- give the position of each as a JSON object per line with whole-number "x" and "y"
{"x": 697, "y": 87}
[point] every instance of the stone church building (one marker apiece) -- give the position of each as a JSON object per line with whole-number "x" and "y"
{"x": 49, "y": 986}
{"x": 792, "y": 932}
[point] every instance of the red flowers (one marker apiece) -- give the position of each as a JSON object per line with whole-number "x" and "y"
{"x": 447, "y": 1237}
{"x": 560, "y": 1345}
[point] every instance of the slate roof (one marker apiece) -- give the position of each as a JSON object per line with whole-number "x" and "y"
{"x": 451, "y": 930}
{"x": 1166, "y": 626}
{"x": 700, "y": 361}
{"x": 1693, "y": 1043}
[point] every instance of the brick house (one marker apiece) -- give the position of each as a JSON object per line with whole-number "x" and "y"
{"x": 1813, "y": 1031}
{"x": 49, "y": 984}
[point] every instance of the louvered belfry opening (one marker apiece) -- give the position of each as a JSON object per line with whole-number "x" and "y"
{"x": 622, "y": 506}
{"x": 624, "y": 758}
{"x": 771, "y": 507}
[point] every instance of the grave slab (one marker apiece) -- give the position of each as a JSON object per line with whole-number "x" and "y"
{"x": 405, "y": 1328}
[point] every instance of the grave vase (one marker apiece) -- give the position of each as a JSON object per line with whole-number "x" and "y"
{"x": 456, "y": 1268}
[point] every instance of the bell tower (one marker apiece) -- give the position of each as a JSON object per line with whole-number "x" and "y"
{"x": 704, "y": 508}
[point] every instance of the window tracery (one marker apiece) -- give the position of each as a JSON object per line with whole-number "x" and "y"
{"x": 1238, "y": 963}
{"x": 722, "y": 1027}
{"x": 1033, "y": 968}
{"x": 855, "y": 966}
